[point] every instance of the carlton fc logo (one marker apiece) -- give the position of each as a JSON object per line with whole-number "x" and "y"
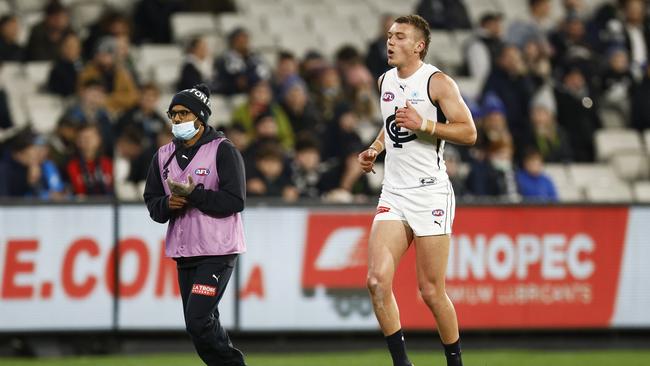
{"x": 396, "y": 134}
{"x": 388, "y": 96}
{"x": 202, "y": 171}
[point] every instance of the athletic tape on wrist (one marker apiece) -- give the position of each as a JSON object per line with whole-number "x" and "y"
{"x": 428, "y": 126}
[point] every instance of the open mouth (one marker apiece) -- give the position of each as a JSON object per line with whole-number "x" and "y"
{"x": 390, "y": 53}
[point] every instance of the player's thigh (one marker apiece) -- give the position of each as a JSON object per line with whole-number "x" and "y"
{"x": 430, "y": 210}
{"x": 209, "y": 285}
{"x": 432, "y": 253}
{"x": 389, "y": 240}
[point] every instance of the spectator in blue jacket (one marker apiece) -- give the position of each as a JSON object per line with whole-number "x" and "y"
{"x": 27, "y": 172}
{"x": 533, "y": 184}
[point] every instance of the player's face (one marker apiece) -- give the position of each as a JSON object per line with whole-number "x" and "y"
{"x": 404, "y": 44}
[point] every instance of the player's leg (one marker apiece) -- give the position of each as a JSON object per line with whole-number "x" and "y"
{"x": 389, "y": 240}
{"x": 210, "y": 338}
{"x": 431, "y": 259}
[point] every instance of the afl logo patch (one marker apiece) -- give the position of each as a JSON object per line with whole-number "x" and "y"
{"x": 388, "y": 96}
{"x": 202, "y": 171}
{"x": 438, "y": 212}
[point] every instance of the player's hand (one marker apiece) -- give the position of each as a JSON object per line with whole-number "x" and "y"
{"x": 367, "y": 159}
{"x": 181, "y": 189}
{"x": 177, "y": 202}
{"x": 408, "y": 117}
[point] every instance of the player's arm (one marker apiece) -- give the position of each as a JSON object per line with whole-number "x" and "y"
{"x": 154, "y": 194}
{"x": 460, "y": 128}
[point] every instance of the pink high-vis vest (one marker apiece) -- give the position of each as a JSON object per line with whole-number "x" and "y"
{"x": 195, "y": 233}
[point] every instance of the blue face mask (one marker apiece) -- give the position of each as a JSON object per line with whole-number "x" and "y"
{"x": 185, "y": 131}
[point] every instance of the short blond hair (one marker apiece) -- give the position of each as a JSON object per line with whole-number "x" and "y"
{"x": 422, "y": 25}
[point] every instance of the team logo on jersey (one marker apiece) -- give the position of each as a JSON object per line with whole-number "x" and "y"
{"x": 396, "y": 134}
{"x": 438, "y": 212}
{"x": 388, "y": 96}
{"x": 202, "y": 171}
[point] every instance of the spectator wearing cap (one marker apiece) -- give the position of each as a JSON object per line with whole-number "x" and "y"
{"x": 482, "y": 49}
{"x": 121, "y": 90}
{"x": 197, "y": 184}
{"x": 196, "y": 68}
{"x": 260, "y": 102}
{"x": 533, "y": 184}
{"x": 377, "y": 54}
{"x": 238, "y": 69}
{"x": 63, "y": 76}
{"x": 10, "y": 50}
{"x": 492, "y": 124}
{"x": 45, "y": 36}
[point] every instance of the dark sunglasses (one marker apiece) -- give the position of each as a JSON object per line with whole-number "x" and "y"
{"x": 182, "y": 113}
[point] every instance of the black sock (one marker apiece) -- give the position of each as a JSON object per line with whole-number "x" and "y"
{"x": 452, "y": 352}
{"x": 397, "y": 349}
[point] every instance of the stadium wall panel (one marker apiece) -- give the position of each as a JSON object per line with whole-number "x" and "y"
{"x": 510, "y": 267}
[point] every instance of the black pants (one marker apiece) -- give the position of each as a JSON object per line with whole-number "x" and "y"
{"x": 202, "y": 282}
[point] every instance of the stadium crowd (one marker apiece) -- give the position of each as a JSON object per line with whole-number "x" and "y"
{"x": 546, "y": 87}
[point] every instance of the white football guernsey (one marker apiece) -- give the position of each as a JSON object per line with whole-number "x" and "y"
{"x": 413, "y": 158}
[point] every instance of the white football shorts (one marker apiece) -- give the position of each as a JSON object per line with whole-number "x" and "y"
{"x": 428, "y": 210}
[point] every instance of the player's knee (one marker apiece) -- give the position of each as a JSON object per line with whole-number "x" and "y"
{"x": 196, "y": 327}
{"x": 376, "y": 283}
{"x": 431, "y": 294}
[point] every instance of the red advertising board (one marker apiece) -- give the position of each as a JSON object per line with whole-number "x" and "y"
{"x": 517, "y": 267}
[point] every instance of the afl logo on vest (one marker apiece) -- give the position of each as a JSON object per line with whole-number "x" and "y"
{"x": 202, "y": 171}
{"x": 438, "y": 212}
{"x": 388, "y": 96}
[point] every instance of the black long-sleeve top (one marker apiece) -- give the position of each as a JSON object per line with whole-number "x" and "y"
{"x": 229, "y": 199}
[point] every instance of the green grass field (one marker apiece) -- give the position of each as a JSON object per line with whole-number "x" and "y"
{"x": 366, "y": 358}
